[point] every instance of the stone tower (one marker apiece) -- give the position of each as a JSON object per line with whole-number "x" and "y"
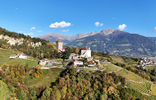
{"x": 59, "y": 45}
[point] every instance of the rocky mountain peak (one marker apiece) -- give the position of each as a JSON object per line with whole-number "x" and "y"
{"x": 107, "y": 31}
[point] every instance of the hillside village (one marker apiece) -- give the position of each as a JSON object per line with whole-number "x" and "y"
{"x": 81, "y": 60}
{"x": 84, "y": 59}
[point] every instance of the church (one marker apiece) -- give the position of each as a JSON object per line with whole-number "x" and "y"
{"x": 85, "y": 52}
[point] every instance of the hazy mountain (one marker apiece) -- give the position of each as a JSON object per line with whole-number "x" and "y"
{"x": 118, "y": 43}
{"x": 53, "y": 37}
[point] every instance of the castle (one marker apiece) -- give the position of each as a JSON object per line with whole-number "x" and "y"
{"x": 85, "y": 52}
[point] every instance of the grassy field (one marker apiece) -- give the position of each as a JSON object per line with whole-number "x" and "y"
{"x": 111, "y": 68}
{"x": 4, "y": 91}
{"x": 4, "y": 55}
{"x": 86, "y": 69}
{"x": 22, "y": 61}
{"x": 47, "y": 77}
{"x": 151, "y": 67}
{"x": 117, "y": 59}
{"x": 4, "y": 58}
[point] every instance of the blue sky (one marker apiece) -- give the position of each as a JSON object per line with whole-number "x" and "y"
{"x": 70, "y": 17}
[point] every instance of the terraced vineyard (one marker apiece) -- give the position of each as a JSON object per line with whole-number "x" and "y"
{"x": 138, "y": 83}
{"x": 4, "y": 91}
{"x": 130, "y": 75}
{"x": 141, "y": 87}
{"x": 135, "y": 77}
{"x": 153, "y": 89}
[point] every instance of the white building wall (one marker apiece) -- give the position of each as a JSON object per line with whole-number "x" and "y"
{"x": 23, "y": 57}
{"x": 59, "y": 46}
{"x": 86, "y": 53}
{"x": 78, "y": 63}
{"x": 89, "y": 53}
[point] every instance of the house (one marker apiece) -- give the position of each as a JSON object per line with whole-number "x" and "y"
{"x": 77, "y": 63}
{"x": 91, "y": 63}
{"x": 73, "y": 56}
{"x": 85, "y": 52}
{"x": 23, "y": 56}
{"x": 44, "y": 61}
{"x": 13, "y": 56}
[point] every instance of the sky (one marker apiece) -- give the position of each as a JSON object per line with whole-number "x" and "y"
{"x": 70, "y": 17}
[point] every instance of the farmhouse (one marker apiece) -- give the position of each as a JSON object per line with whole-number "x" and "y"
{"x": 13, "y": 56}
{"x": 23, "y": 56}
{"x": 44, "y": 61}
{"x": 73, "y": 56}
{"x": 77, "y": 63}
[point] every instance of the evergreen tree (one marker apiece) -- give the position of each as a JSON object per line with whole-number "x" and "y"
{"x": 67, "y": 53}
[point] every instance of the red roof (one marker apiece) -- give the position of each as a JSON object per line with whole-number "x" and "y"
{"x": 58, "y": 40}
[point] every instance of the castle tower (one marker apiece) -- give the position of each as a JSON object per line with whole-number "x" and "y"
{"x": 59, "y": 45}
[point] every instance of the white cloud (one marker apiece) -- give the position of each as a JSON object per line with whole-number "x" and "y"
{"x": 154, "y": 29}
{"x": 121, "y": 27}
{"x": 98, "y": 24}
{"x": 30, "y": 34}
{"x": 33, "y": 28}
{"x": 65, "y": 30}
{"x": 101, "y": 24}
{"x": 39, "y": 31}
{"x": 60, "y": 25}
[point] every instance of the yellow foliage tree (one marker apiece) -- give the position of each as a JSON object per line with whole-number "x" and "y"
{"x": 4, "y": 66}
{"x": 36, "y": 75}
{"x": 38, "y": 71}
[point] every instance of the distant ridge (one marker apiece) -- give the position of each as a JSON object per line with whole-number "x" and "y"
{"x": 53, "y": 37}
{"x": 118, "y": 43}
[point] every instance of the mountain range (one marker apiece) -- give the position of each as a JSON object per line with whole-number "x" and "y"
{"x": 110, "y": 41}
{"x": 53, "y": 37}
